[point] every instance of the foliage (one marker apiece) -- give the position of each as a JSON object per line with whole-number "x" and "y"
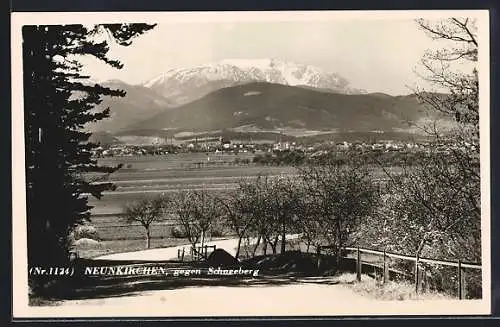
{"x": 178, "y": 232}
{"x": 437, "y": 204}
{"x": 85, "y": 231}
{"x": 391, "y": 291}
{"x": 58, "y": 104}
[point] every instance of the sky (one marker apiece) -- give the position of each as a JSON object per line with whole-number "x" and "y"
{"x": 378, "y": 55}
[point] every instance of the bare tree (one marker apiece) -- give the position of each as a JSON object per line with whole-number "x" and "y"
{"x": 456, "y": 89}
{"x": 306, "y": 224}
{"x": 197, "y": 211}
{"x": 237, "y": 211}
{"x": 339, "y": 197}
{"x": 283, "y": 206}
{"x": 182, "y": 206}
{"x": 442, "y": 191}
{"x": 260, "y": 210}
{"x": 434, "y": 205}
{"x": 145, "y": 212}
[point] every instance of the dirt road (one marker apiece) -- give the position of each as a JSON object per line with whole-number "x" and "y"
{"x": 306, "y": 296}
{"x": 171, "y": 252}
{"x": 293, "y": 299}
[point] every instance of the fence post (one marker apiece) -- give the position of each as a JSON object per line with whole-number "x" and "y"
{"x": 459, "y": 273}
{"x": 358, "y": 265}
{"x": 182, "y": 257}
{"x": 384, "y": 271}
{"x": 416, "y": 273}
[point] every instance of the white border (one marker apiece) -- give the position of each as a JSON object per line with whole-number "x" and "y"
{"x": 20, "y": 290}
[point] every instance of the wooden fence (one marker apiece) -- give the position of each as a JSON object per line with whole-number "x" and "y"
{"x": 460, "y": 265}
{"x": 196, "y": 253}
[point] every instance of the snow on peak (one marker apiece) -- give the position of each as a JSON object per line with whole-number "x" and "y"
{"x": 249, "y": 63}
{"x": 242, "y": 70}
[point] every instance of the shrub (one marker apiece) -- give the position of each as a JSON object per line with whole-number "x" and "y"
{"x": 178, "y": 232}
{"x": 86, "y": 242}
{"x": 85, "y": 231}
{"x": 216, "y": 232}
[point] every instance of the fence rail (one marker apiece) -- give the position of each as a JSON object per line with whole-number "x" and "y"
{"x": 461, "y": 281}
{"x": 469, "y": 265}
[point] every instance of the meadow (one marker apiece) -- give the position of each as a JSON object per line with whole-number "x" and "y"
{"x": 149, "y": 176}
{"x": 143, "y": 176}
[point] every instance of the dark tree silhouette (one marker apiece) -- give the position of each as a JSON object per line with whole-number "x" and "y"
{"x": 58, "y": 103}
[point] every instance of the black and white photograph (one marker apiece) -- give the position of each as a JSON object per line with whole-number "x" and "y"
{"x": 250, "y": 164}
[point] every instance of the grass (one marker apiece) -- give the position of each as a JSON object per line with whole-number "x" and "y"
{"x": 118, "y": 246}
{"x": 41, "y": 301}
{"x": 395, "y": 291}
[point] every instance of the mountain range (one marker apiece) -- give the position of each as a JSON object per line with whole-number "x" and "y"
{"x": 139, "y": 103}
{"x": 198, "y": 81}
{"x": 261, "y": 106}
{"x": 249, "y": 96}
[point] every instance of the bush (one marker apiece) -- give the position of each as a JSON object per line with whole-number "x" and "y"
{"x": 86, "y": 242}
{"x": 216, "y": 232}
{"x": 178, "y": 232}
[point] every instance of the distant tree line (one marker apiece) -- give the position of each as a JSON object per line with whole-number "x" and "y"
{"x": 342, "y": 157}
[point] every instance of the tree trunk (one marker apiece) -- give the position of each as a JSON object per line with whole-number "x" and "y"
{"x": 274, "y": 244}
{"x": 340, "y": 248}
{"x": 247, "y": 246}
{"x": 238, "y": 247}
{"x": 148, "y": 238}
{"x": 264, "y": 246}
{"x": 338, "y": 258}
{"x": 256, "y": 246}
{"x": 283, "y": 238}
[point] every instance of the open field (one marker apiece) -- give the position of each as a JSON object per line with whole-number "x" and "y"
{"x": 148, "y": 176}
{"x": 173, "y": 161}
{"x": 151, "y": 175}
{"x": 126, "y": 245}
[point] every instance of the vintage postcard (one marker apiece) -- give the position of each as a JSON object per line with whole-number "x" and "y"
{"x": 250, "y": 164}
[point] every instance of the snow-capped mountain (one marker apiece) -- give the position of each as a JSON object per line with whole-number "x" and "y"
{"x": 188, "y": 84}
